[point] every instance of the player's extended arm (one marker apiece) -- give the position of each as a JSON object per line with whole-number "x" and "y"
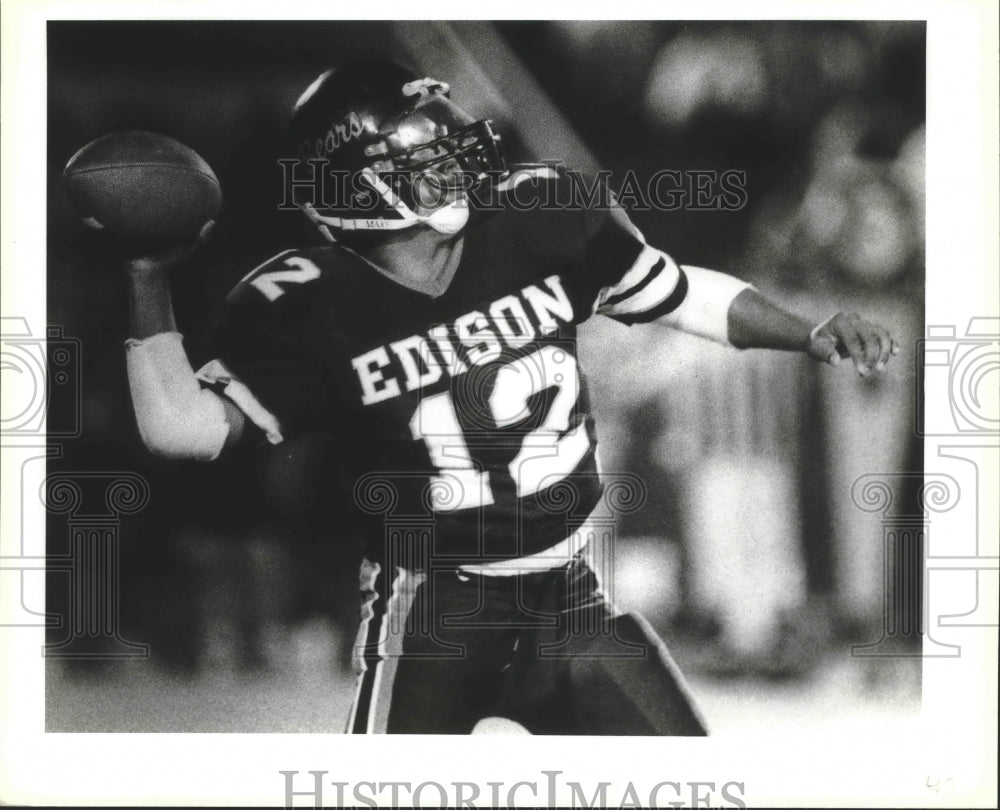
{"x": 754, "y": 322}
{"x": 177, "y": 418}
{"x": 727, "y": 310}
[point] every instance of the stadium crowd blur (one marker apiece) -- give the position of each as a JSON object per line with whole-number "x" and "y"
{"x": 750, "y": 555}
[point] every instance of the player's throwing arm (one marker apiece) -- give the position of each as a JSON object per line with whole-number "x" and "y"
{"x": 158, "y": 198}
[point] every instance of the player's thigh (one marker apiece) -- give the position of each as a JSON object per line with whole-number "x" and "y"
{"x": 429, "y": 697}
{"x": 447, "y": 676}
{"x": 624, "y": 681}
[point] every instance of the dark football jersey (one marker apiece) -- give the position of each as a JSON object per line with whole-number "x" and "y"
{"x": 465, "y": 421}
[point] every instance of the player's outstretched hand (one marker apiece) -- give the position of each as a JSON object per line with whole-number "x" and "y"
{"x": 170, "y": 258}
{"x": 867, "y": 344}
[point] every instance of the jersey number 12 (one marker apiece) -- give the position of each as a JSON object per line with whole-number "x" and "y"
{"x": 546, "y": 454}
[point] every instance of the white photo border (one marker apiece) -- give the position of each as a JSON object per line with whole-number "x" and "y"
{"x": 955, "y": 741}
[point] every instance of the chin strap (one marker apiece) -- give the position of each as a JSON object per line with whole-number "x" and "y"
{"x": 445, "y": 220}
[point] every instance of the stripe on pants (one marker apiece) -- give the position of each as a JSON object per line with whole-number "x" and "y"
{"x": 380, "y": 644}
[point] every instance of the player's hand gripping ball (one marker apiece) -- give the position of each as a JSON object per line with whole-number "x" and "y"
{"x": 146, "y": 189}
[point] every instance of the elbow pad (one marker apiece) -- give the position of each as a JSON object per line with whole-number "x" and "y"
{"x": 705, "y": 309}
{"x": 177, "y": 418}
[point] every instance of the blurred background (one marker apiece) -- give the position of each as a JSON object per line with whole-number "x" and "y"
{"x": 751, "y": 557}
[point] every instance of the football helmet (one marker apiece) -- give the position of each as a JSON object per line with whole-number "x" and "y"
{"x": 383, "y": 149}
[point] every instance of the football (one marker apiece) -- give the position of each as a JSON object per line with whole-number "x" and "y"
{"x": 143, "y": 187}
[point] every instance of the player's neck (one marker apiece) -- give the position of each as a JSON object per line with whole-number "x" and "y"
{"x": 419, "y": 258}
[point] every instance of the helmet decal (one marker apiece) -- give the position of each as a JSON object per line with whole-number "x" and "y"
{"x": 378, "y": 123}
{"x": 424, "y": 87}
{"x": 339, "y": 133}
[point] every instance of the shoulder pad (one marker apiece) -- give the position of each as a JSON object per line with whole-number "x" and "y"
{"x": 277, "y": 276}
{"x": 535, "y": 172}
{"x": 551, "y": 187}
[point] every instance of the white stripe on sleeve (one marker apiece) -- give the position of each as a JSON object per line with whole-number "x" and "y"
{"x": 650, "y": 281}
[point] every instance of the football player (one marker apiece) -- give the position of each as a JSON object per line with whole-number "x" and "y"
{"x": 435, "y": 339}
